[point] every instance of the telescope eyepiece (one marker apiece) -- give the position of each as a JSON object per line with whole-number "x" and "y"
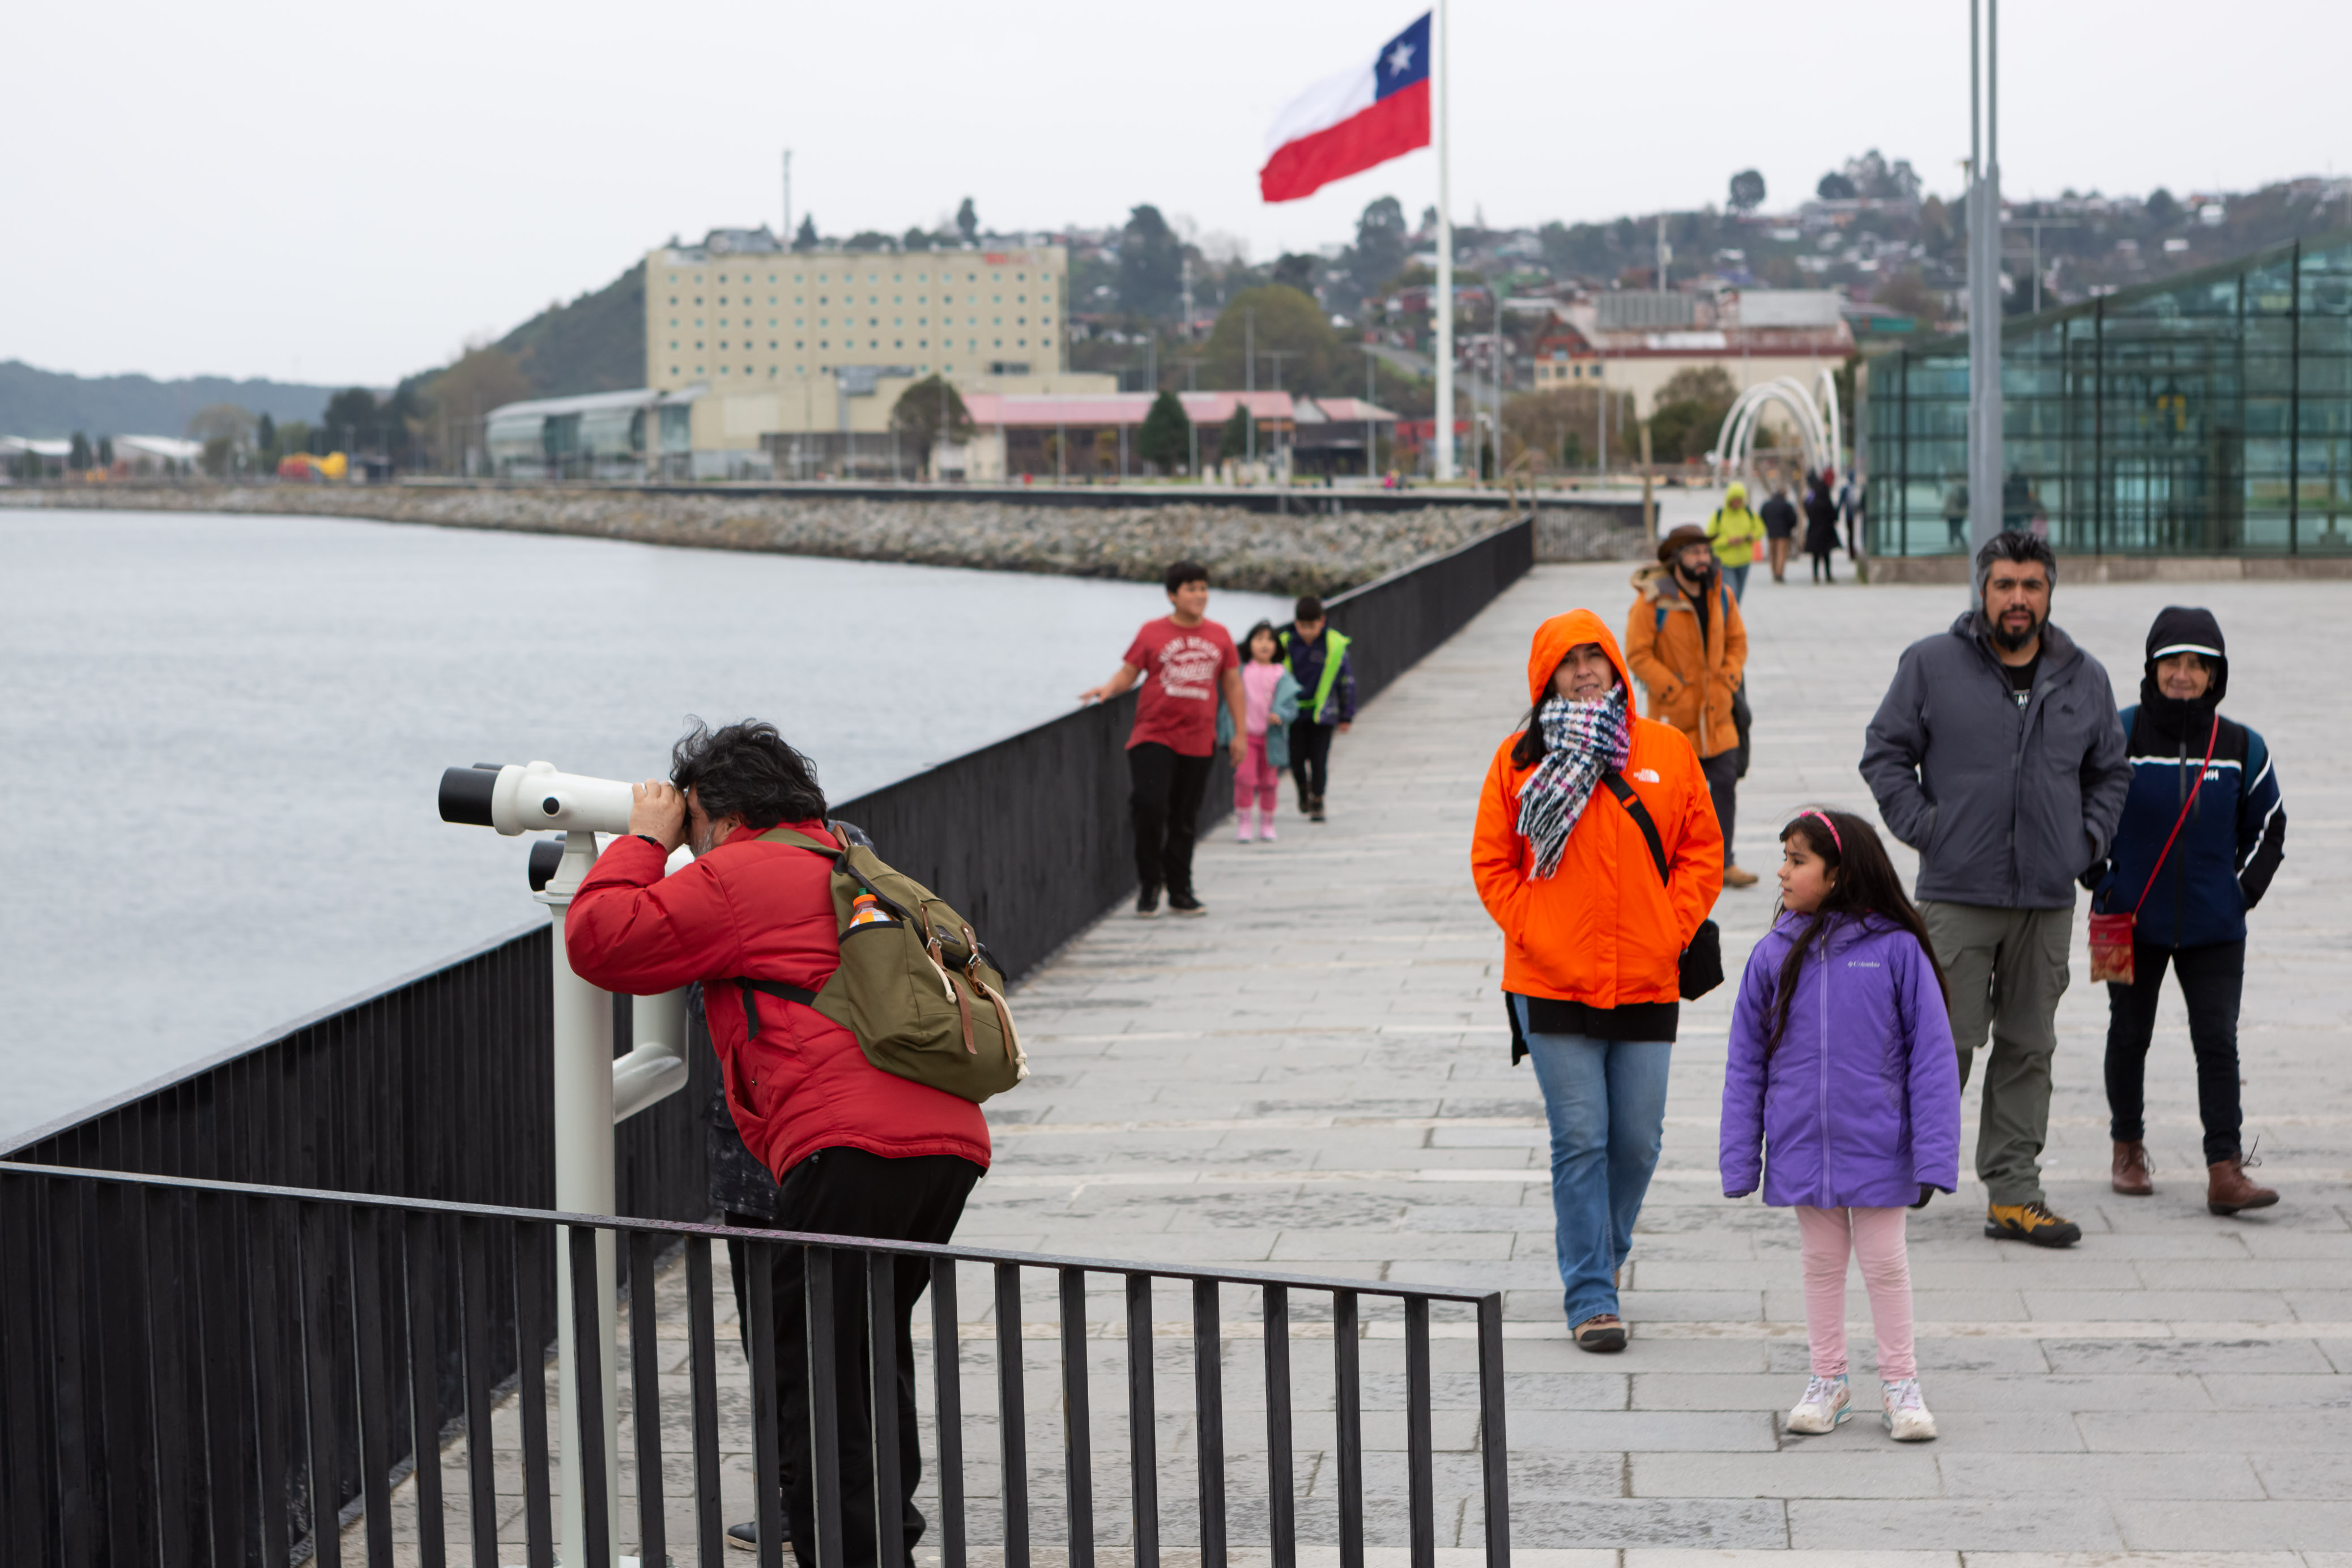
{"x": 466, "y": 794}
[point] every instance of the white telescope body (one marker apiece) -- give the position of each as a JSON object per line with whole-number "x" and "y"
{"x": 593, "y": 1092}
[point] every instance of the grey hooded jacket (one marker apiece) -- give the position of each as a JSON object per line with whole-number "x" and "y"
{"x": 2005, "y": 806}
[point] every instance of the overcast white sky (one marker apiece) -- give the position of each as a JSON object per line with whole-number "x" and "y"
{"x": 339, "y": 194}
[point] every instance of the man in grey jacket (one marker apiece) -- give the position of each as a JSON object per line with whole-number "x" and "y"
{"x": 1998, "y": 755}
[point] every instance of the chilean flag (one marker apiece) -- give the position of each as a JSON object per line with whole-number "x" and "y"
{"x": 1345, "y": 124}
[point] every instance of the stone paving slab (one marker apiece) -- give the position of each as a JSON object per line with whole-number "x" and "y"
{"x": 1315, "y": 1078}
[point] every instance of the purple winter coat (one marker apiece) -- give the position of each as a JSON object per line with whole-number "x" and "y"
{"x": 1861, "y": 1103}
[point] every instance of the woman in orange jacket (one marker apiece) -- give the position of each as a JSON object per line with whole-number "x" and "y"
{"x": 1593, "y": 936}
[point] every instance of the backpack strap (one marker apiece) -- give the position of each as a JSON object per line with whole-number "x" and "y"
{"x": 806, "y": 999}
{"x": 1642, "y": 818}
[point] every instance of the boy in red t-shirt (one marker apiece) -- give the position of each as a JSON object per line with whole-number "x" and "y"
{"x": 1187, "y": 664}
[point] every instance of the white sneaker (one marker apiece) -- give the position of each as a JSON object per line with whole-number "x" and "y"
{"x": 1828, "y": 1405}
{"x": 1905, "y": 1414}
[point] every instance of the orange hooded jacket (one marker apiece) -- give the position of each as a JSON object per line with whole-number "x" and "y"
{"x": 1602, "y": 930}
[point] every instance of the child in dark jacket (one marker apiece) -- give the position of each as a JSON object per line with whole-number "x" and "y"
{"x": 1841, "y": 1067}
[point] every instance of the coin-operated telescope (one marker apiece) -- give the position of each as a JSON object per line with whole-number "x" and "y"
{"x": 593, "y": 1091}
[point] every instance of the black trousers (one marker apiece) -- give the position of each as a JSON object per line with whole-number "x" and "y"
{"x": 848, "y": 1192}
{"x": 1167, "y": 807}
{"x": 1722, "y": 771}
{"x": 2213, "y": 979}
{"x": 1310, "y": 758}
{"x": 1821, "y": 559}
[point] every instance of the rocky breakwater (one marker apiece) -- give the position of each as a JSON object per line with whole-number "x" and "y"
{"x": 1319, "y": 553}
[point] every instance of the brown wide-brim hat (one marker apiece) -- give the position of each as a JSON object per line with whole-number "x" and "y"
{"x": 1680, "y": 540}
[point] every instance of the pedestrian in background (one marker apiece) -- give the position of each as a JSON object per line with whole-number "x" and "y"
{"x": 1593, "y": 931}
{"x": 1779, "y": 518}
{"x": 1735, "y": 531}
{"x": 1187, "y": 664}
{"x": 1821, "y": 526}
{"x": 1851, "y": 500}
{"x": 1840, "y": 1070}
{"x": 1996, "y": 753}
{"x": 2203, "y": 832}
{"x": 1269, "y": 702}
{"x": 1688, "y": 647}
{"x": 1318, "y": 660}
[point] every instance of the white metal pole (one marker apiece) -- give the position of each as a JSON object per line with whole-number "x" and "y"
{"x": 1985, "y": 464}
{"x": 583, "y": 1185}
{"x": 1443, "y": 303}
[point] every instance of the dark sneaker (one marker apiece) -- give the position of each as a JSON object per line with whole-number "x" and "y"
{"x": 2030, "y": 1222}
{"x": 1315, "y": 809}
{"x": 745, "y": 1535}
{"x": 1601, "y": 1333}
{"x": 1186, "y": 904}
{"x": 1147, "y": 903}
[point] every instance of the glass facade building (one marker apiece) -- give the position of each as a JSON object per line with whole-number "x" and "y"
{"x": 2209, "y": 414}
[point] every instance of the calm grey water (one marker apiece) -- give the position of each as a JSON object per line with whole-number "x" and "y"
{"x": 223, "y": 737}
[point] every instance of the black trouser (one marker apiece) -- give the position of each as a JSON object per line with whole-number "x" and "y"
{"x": 1722, "y": 771}
{"x": 848, "y": 1192}
{"x": 1310, "y": 758}
{"x": 1167, "y": 805}
{"x": 2213, "y": 978}
{"x": 1821, "y": 559}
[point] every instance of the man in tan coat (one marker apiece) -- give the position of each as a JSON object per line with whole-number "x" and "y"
{"x": 1687, "y": 645}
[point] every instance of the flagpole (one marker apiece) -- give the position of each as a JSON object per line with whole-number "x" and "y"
{"x": 1444, "y": 301}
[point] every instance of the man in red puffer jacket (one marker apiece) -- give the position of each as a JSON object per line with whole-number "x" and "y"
{"x": 857, "y": 1151}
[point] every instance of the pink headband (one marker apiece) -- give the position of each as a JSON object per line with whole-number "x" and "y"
{"x": 1825, "y": 822}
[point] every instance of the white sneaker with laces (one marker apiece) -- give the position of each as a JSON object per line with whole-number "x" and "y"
{"x": 1905, "y": 1413}
{"x": 1828, "y": 1405}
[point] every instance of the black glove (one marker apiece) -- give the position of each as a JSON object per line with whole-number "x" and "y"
{"x": 2093, "y": 875}
{"x": 1926, "y": 1191}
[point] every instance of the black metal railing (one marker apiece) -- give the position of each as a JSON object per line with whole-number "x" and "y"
{"x": 195, "y": 1370}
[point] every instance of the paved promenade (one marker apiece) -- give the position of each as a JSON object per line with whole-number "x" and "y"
{"x": 1316, "y": 1077}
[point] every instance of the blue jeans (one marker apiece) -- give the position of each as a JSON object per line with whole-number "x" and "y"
{"x": 1606, "y": 1101}
{"x": 1735, "y": 579}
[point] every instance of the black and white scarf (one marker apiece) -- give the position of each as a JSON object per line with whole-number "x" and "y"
{"x": 1582, "y": 741}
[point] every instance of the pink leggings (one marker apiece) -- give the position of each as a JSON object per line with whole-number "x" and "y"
{"x": 1256, "y": 777}
{"x": 1875, "y": 1238}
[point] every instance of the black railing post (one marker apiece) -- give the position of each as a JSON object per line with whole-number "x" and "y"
{"x": 644, "y": 1401}
{"x": 1142, "y": 1412}
{"x": 1281, "y": 1510}
{"x": 28, "y": 1460}
{"x": 369, "y": 1340}
{"x": 767, "y": 1420}
{"x": 882, "y": 1387}
{"x": 1209, "y": 1419}
{"x": 534, "y": 1277}
{"x": 589, "y": 1350}
{"x": 1011, "y": 1416}
{"x": 1493, "y": 1443}
{"x": 1348, "y": 1416}
{"x": 323, "y": 1247}
{"x": 482, "y": 1376}
{"x": 710, "y": 1530}
{"x": 1420, "y": 1482}
{"x": 421, "y": 1240}
{"x": 825, "y": 1408}
{"x": 947, "y": 1382}
{"x": 1077, "y": 1428}
{"x": 178, "y": 1493}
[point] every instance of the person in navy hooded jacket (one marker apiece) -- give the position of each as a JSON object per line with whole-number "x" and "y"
{"x": 1841, "y": 1098}
{"x": 2191, "y": 898}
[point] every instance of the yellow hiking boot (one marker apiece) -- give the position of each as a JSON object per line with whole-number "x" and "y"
{"x": 2030, "y": 1222}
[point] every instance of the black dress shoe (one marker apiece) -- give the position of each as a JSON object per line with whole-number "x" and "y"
{"x": 745, "y": 1535}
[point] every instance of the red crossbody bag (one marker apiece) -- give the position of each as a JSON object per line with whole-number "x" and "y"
{"x": 2111, "y": 935}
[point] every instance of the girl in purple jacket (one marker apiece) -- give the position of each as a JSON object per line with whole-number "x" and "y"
{"x": 1841, "y": 1065}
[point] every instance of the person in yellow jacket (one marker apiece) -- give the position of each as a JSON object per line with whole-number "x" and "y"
{"x": 1688, "y": 647}
{"x": 1735, "y": 531}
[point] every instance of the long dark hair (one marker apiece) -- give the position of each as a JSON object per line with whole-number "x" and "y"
{"x": 1250, "y": 636}
{"x": 1866, "y": 886}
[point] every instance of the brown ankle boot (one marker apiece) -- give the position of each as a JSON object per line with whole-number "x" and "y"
{"x": 2228, "y": 1189}
{"x": 2130, "y": 1176}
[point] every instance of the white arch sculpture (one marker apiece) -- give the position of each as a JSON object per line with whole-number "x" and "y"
{"x": 1816, "y": 414}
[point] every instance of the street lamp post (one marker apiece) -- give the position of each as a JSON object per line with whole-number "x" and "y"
{"x": 1984, "y": 276}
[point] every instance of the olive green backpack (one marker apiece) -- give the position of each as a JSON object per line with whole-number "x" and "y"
{"x": 915, "y": 986}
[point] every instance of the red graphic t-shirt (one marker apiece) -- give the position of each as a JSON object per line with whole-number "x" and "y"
{"x": 1183, "y": 669}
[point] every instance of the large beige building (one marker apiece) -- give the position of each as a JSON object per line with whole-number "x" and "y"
{"x": 800, "y": 354}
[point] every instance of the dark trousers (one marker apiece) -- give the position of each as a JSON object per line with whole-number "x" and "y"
{"x": 1310, "y": 758}
{"x": 2213, "y": 978}
{"x": 1722, "y": 771}
{"x": 1167, "y": 805}
{"x": 1822, "y": 559}
{"x": 848, "y": 1192}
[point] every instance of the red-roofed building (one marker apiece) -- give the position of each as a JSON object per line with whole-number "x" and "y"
{"x": 1094, "y": 436}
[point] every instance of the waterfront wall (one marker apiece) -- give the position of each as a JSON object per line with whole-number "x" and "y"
{"x": 1281, "y": 542}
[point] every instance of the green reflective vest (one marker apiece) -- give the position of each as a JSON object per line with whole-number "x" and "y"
{"x": 1335, "y": 652}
